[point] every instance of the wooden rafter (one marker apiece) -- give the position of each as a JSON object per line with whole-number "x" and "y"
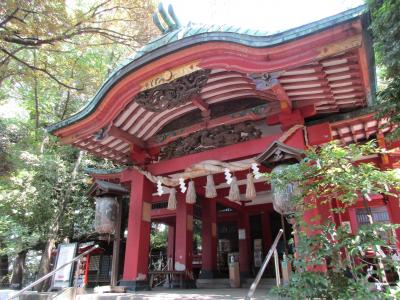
{"x": 125, "y": 136}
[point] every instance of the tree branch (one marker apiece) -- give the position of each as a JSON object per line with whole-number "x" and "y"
{"x": 8, "y": 18}
{"x": 39, "y": 69}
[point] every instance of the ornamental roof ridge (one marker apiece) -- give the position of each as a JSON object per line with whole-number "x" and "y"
{"x": 191, "y": 29}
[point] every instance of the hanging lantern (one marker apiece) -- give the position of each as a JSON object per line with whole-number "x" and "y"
{"x": 106, "y": 215}
{"x": 283, "y": 196}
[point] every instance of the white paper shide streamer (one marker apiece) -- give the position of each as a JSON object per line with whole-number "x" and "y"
{"x": 256, "y": 170}
{"x": 182, "y": 185}
{"x": 160, "y": 190}
{"x": 228, "y": 176}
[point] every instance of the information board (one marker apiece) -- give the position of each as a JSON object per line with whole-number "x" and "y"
{"x": 63, "y": 277}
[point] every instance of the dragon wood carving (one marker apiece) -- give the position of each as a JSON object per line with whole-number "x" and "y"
{"x": 174, "y": 93}
{"x": 210, "y": 138}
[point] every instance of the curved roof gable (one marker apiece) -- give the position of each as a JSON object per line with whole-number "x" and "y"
{"x": 193, "y": 34}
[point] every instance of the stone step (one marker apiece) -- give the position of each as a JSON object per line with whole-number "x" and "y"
{"x": 29, "y": 295}
{"x": 222, "y": 283}
{"x": 65, "y": 294}
{"x": 178, "y": 294}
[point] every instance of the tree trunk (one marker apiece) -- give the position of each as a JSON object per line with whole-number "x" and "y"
{"x": 45, "y": 261}
{"x": 18, "y": 270}
{"x": 4, "y": 280}
{"x": 36, "y": 100}
{"x": 45, "y": 265}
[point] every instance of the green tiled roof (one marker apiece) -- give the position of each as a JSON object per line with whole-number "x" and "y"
{"x": 193, "y": 34}
{"x": 96, "y": 171}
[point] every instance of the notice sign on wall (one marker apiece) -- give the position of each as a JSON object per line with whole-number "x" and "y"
{"x": 62, "y": 278}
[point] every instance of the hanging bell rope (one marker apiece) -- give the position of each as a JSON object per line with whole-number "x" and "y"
{"x": 234, "y": 193}
{"x": 250, "y": 188}
{"x": 191, "y": 193}
{"x": 172, "y": 199}
{"x": 211, "y": 191}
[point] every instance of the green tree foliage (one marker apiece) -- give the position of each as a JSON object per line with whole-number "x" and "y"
{"x": 54, "y": 55}
{"x": 40, "y": 35}
{"x": 386, "y": 32}
{"x": 335, "y": 174}
{"x": 158, "y": 237}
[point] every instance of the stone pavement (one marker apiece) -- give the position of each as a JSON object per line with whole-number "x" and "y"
{"x": 168, "y": 294}
{"x": 155, "y": 294}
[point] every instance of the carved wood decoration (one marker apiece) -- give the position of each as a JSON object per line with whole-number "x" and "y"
{"x": 264, "y": 81}
{"x": 211, "y": 138}
{"x": 174, "y": 93}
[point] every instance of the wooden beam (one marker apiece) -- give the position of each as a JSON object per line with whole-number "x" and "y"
{"x": 203, "y": 106}
{"x": 125, "y": 136}
{"x": 336, "y": 76}
{"x": 285, "y": 102}
{"x": 227, "y": 88}
{"x": 227, "y": 153}
{"x": 308, "y": 91}
{"x": 198, "y": 102}
{"x": 350, "y": 67}
{"x": 230, "y": 204}
{"x": 300, "y": 78}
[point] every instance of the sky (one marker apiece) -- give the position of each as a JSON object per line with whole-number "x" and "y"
{"x": 266, "y": 15}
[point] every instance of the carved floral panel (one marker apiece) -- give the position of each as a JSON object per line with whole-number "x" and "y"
{"x": 174, "y": 93}
{"x": 210, "y": 138}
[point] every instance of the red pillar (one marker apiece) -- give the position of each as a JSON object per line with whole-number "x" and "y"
{"x": 394, "y": 215}
{"x": 244, "y": 236}
{"x": 209, "y": 238}
{"x": 319, "y": 214}
{"x": 138, "y": 240}
{"x": 184, "y": 238}
{"x": 171, "y": 245}
{"x": 266, "y": 230}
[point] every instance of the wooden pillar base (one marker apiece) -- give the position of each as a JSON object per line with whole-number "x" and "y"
{"x": 207, "y": 274}
{"x": 185, "y": 284}
{"x": 135, "y": 285}
{"x": 244, "y": 275}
